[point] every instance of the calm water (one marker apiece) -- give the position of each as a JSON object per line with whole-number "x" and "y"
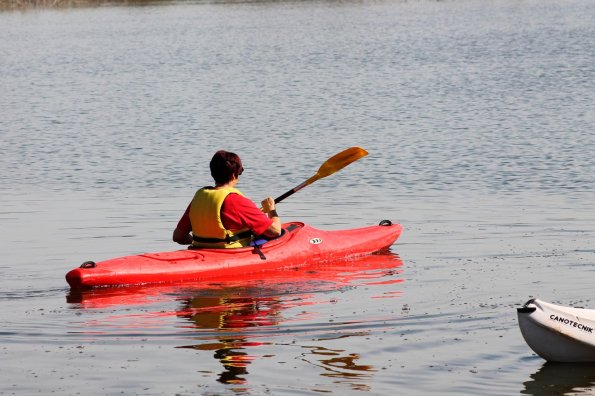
{"x": 479, "y": 119}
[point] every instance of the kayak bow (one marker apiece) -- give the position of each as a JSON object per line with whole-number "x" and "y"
{"x": 558, "y": 333}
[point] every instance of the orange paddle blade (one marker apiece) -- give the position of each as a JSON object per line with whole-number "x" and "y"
{"x": 338, "y": 162}
{"x": 330, "y": 166}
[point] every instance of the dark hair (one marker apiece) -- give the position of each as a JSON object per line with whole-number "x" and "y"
{"x": 225, "y": 166}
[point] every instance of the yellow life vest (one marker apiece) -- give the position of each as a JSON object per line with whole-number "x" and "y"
{"x": 205, "y": 216}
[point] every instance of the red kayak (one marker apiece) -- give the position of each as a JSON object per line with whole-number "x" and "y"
{"x": 377, "y": 269}
{"x": 299, "y": 245}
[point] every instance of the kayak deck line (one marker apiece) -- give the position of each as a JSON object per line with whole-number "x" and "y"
{"x": 299, "y": 244}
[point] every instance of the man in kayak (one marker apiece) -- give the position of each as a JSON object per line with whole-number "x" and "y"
{"x": 221, "y": 216}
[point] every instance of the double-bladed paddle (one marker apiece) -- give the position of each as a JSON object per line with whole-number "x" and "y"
{"x": 330, "y": 166}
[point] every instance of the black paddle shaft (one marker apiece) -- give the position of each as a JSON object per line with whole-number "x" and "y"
{"x": 289, "y": 193}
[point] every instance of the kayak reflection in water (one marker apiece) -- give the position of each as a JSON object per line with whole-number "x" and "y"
{"x": 231, "y": 314}
{"x": 221, "y": 216}
{"x": 245, "y": 321}
{"x": 561, "y": 379}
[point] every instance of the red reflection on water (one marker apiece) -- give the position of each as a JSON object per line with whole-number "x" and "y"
{"x": 237, "y": 314}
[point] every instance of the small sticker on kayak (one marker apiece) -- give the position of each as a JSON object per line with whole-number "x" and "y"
{"x": 315, "y": 241}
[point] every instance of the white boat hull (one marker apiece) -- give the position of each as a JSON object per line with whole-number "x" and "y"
{"x": 558, "y": 333}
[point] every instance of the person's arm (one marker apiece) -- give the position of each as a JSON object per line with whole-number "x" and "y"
{"x": 268, "y": 207}
{"x": 182, "y": 234}
{"x": 240, "y": 212}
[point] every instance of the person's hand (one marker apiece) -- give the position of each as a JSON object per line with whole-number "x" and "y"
{"x": 268, "y": 204}
{"x": 268, "y": 207}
